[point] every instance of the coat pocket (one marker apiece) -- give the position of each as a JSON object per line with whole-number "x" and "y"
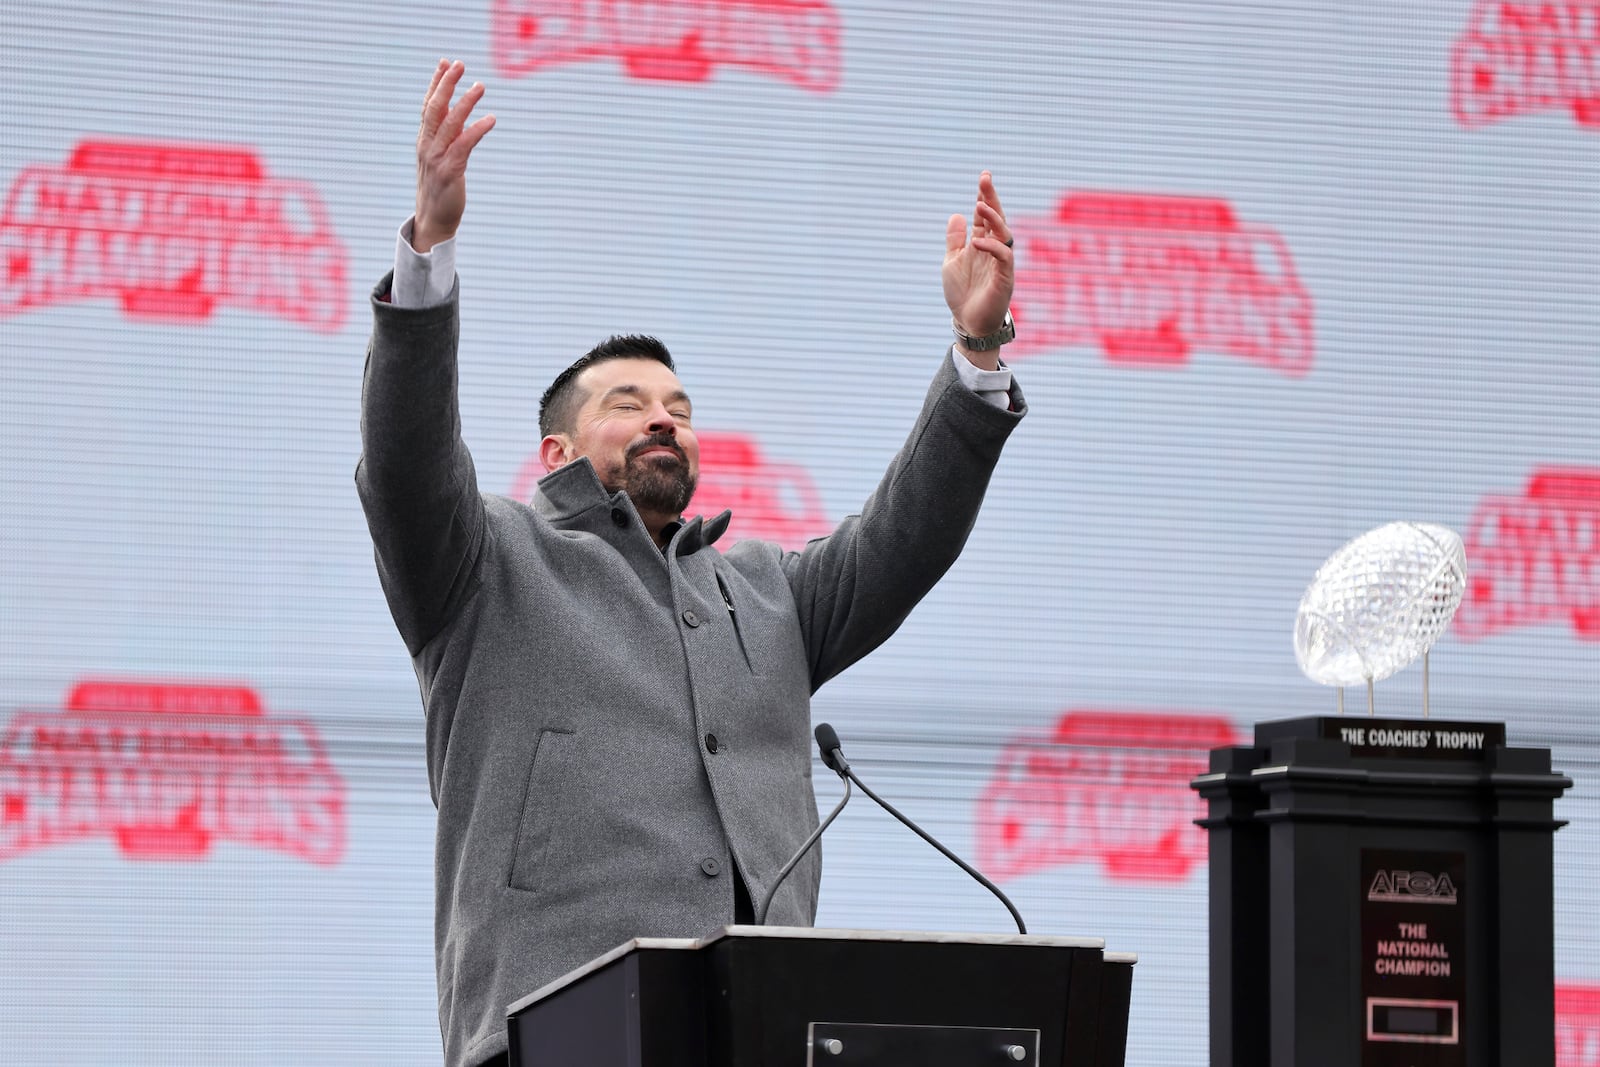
{"x": 733, "y": 620}
{"x": 546, "y": 795}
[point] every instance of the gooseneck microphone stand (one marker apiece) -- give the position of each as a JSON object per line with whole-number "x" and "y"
{"x": 833, "y": 756}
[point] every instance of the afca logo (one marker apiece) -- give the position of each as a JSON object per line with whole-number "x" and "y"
{"x": 1412, "y": 887}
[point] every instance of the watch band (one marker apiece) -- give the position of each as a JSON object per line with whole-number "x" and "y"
{"x": 990, "y": 341}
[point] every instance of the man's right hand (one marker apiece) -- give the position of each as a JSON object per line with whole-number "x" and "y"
{"x": 443, "y": 144}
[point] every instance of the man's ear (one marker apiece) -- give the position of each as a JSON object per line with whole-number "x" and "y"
{"x": 555, "y": 451}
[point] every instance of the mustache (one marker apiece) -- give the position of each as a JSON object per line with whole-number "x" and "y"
{"x": 657, "y": 440}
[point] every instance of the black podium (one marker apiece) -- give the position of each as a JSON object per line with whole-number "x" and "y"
{"x": 763, "y": 996}
{"x": 1381, "y": 896}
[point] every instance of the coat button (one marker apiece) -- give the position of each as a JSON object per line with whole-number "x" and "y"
{"x": 619, "y": 516}
{"x": 711, "y": 866}
{"x": 691, "y": 618}
{"x": 712, "y": 744}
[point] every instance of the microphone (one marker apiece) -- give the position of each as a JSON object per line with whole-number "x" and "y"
{"x": 833, "y": 756}
{"x": 816, "y": 835}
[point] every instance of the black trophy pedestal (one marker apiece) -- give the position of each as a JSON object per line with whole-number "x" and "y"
{"x": 1381, "y": 895}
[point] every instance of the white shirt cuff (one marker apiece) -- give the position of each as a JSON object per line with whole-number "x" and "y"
{"x": 421, "y": 279}
{"x": 992, "y": 385}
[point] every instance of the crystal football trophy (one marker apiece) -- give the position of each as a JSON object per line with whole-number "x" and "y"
{"x": 1379, "y": 603}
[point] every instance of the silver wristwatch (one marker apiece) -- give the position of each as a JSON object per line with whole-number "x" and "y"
{"x": 989, "y": 341}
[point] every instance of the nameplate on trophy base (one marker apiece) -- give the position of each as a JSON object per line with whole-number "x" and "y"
{"x": 1374, "y": 738}
{"x": 1413, "y": 957}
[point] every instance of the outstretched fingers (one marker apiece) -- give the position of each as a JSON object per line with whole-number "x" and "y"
{"x": 459, "y": 112}
{"x": 438, "y": 73}
{"x": 436, "y": 105}
{"x": 473, "y": 134}
{"x": 986, "y": 192}
{"x": 955, "y": 233}
{"x": 445, "y": 137}
{"x": 444, "y": 142}
{"x": 990, "y": 231}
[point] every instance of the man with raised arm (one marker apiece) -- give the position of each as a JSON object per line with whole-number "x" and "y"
{"x": 618, "y": 713}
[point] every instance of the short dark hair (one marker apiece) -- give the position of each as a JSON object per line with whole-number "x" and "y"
{"x": 561, "y": 401}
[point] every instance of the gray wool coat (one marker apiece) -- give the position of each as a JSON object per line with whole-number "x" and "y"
{"x": 572, "y": 673}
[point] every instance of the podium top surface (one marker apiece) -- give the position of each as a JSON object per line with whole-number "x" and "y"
{"x": 805, "y": 933}
{"x": 939, "y": 937}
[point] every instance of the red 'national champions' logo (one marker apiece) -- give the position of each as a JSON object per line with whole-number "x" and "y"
{"x": 1520, "y": 57}
{"x": 1107, "y": 786}
{"x": 770, "y": 501}
{"x": 1149, "y": 279}
{"x": 1577, "y": 1026}
{"x": 164, "y": 770}
{"x": 673, "y": 40}
{"x": 1535, "y": 558}
{"x": 170, "y": 231}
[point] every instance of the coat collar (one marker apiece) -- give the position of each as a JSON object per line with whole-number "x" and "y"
{"x": 574, "y": 488}
{"x": 699, "y": 532}
{"x": 570, "y": 490}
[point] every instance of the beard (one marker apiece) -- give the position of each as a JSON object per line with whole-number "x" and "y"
{"x": 654, "y": 483}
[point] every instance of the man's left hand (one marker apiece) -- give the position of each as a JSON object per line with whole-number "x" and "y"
{"x": 980, "y": 272}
